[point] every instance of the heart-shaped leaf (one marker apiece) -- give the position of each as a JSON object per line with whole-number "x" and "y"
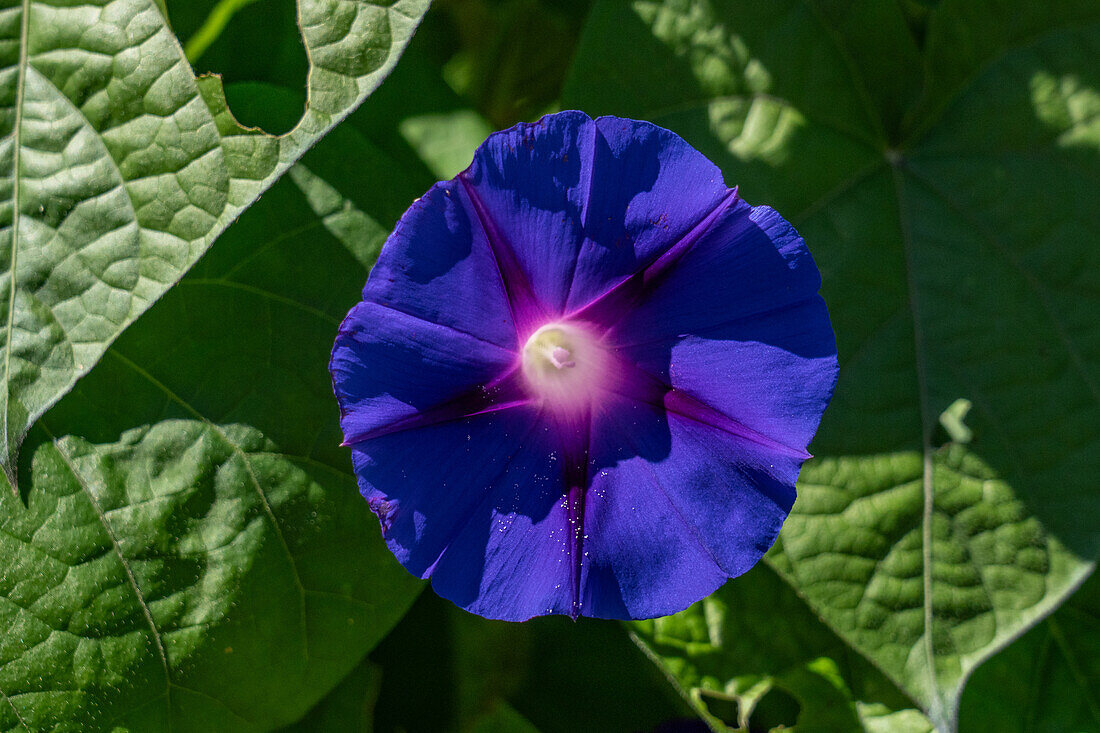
{"x": 949, "y": 195}
{"x": 118, "y": 168}
{"x": 200, "y": 558}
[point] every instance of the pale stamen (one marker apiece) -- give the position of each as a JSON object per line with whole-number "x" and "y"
{"x": 559, "y": 357}
{"x": 565, "y": 366}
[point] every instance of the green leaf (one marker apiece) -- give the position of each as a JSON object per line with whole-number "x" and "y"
{"x": 955, "y": 228}
{"x": 502, "y": 718}
{"x": 444, "y": 669}
{"x": 755, "y": 638}
{"x": 349, "y": 708}
{"x": 510, "y": 57}
{"x": 1049, "y": 680}
{"x": 966, "y": 38}
{"x": 118, "y": 168}
{"x": 200, "y": 557}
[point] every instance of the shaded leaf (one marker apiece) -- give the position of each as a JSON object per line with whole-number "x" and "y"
{"x": 213, "y": 26}
{"x": 959, "y": 264}
{"x": 510, "y": 57}
{"x": 502, "y": 718}
{"x": 349, "y": 708}
{"x": 1047, "y": 681}
{"x": 448, "y": 670}
{"x": 434, "y": 132}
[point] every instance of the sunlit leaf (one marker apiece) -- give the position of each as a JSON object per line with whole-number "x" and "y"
{"x": 118, "y": 168}
{"x": 734, "y": 653}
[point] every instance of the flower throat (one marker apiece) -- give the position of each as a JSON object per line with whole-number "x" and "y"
{"x": 564, "y": 366}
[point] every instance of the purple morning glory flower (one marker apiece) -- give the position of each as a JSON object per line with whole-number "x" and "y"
{"x": 584, "y": 375}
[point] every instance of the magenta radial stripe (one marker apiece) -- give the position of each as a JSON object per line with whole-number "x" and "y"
{"x": 576, "y": 443}
{"x": 609, "y": 308}
{"x": 644, "y": 387}
{"x": 527, "y": 312}
{"x": 682, "y": 404}
{"x": 504, "y": 394}
{"x": 511, "y": 348}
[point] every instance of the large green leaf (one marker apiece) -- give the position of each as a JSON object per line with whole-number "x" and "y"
{"x": 118, "y": 168}
{"x": 953, "y": 213}
{"x": 1048, "y": 681}
{"x": 755, "y": 639}
{"x": 200, "y": 558}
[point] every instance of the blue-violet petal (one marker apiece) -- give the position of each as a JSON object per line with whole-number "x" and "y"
{"x": 584, "y": 375}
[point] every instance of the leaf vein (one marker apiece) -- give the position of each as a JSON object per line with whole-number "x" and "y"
{"x": 937, "y": 712}
{"x": 1032, "y": 283}
{"x": 14, "y": 710}
{"x": 262, "y": 293}
{"x": 82, "y": 482}
{"x": 704, "y": 102}
{"x": 17, "y": 146}
{"x": 1079, "y": 675}
{"x": 247, "y": 463}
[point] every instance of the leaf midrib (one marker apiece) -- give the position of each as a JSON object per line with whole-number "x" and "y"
{"x": 940, "y": 717}
{"x": 157, "y": 638}
{"x": 944, "y": 711}
{"x": 239, "y": 452}
{"x": 17, "y": 146}
{"x": 940, "y": 713}
{"x": 929, "y": 495}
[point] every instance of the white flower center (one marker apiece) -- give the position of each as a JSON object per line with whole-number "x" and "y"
{"x": 564, "y": 366}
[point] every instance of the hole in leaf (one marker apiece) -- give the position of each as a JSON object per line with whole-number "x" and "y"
{"x": 776, "y": 709}
{"x": 724, "y": 707}
{"x": 246, "y": 41}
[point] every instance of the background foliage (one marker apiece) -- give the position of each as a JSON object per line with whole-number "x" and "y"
{"x": 188, "y": 551}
